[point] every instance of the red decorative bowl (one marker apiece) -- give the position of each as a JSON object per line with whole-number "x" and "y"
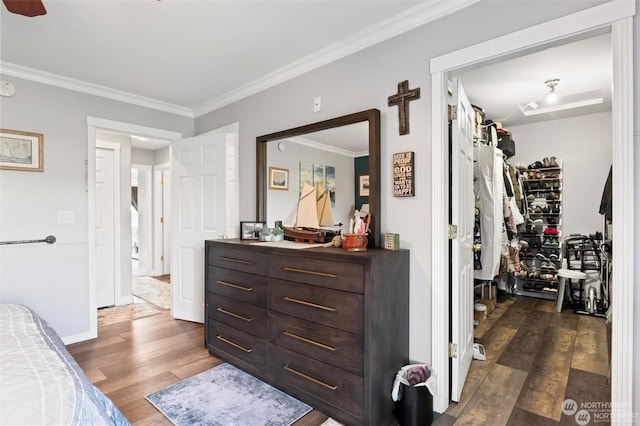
{"x": 355, "y": 242}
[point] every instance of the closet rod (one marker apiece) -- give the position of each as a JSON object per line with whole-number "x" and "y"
{"x": 49, "y": 240}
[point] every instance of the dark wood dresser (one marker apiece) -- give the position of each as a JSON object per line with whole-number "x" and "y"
{"x": 326, "y": 326}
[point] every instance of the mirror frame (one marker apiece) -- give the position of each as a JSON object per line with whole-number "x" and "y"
{"x": 372, "y": 116}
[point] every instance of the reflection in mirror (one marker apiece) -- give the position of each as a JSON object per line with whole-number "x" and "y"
{"x": 325, "y": 157}
{"x": 335, "y": 153}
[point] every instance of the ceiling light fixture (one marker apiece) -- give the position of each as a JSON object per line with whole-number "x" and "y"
{"x": 577, "y": 100}
{"x": 552, "y": 96}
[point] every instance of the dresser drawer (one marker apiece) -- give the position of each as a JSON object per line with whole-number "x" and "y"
{"x": 241, "y": 286}
{"x": 336, "y": 275}
{"x": 249, "y": 318}
{"x": 337, "y": 387}
{"x": 239, "y": 344}
{"x": 244, "y": 260}
{"x": 338, "y": 309}
{"x": 326, "y": 344}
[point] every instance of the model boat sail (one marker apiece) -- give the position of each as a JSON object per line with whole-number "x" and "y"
{"x": 310, "y": 215}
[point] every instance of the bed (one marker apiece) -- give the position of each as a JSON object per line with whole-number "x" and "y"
{"x": 40, "y": 383}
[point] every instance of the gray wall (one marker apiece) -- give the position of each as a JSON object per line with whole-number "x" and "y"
{"x": 53, "y": 279}
{"x": 365, "y": 80}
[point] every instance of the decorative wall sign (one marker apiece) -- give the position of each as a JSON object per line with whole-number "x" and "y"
{"x": 402, "y": 99}
{"x": 403, "y": 174}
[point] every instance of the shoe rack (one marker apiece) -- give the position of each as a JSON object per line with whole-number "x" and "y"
{"x": 541, "y": 234}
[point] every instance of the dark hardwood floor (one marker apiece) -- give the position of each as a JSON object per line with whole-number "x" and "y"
{"x": 536, "y": 358}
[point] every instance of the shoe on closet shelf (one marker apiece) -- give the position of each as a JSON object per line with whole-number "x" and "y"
{"x": 541, "y": 256}
{"x": 537, "y": 212}
{"x": 552, "y": 196}
{"x": 539, "y": 223}
{"x": 553, "y": 162}
{"x": 531, "y": 198}
{"x": 545, "y": 162}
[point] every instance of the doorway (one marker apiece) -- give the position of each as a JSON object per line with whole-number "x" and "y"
{"x": 125, "y": 134}
{"x": 150, "y": 285}
{"x": 615, "y": 15}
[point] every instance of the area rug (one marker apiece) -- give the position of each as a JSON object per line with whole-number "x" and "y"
{"x": 227, "y": 396}
{"x": 133, "y": 311}
{"x": 152, "y": 290}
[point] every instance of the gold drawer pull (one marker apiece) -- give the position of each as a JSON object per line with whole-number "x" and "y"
{"x": 239, "y": 287}
{"x": 231, "y": 259}
{"x": 229, "y": 342}
{"x": 291, "y": 370}
{"x": 305, "y": 271}
{"x": 224, "y": 311}
{"x": 313, "y": 342}
{"x": 313, "y": 305}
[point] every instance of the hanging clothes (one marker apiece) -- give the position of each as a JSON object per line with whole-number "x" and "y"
{"x": 490, "y": 186}
{"x": 606, "y": 204}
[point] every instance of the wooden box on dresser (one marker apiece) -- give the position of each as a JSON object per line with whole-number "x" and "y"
{"x": 324, "y": 325}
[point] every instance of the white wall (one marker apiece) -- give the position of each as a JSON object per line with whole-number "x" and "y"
{"x": 365, "y": 80}
{"x": 583, "y": 145}
{"x": 53, "y": 279}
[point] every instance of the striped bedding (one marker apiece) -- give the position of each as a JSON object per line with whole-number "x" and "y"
{"x": 40, "y": 383}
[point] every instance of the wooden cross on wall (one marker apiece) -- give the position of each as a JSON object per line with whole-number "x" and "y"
{"x": 402, "y": 99}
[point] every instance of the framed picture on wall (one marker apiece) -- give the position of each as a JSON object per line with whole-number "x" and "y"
{"x": 21, "y": 151}
{"x": 278, "y": 178}
{"x": 250, "y": 230}
{"x": 363, "y": 186}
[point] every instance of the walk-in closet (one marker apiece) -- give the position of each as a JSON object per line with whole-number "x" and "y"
{"x": 542, "y": 230}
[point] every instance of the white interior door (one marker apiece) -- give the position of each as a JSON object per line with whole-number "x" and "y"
{"x": 166, "y": 221}
{"x": 204, "y": 194}
{"x": 462, "y": 215}
{"x": 105, "y": 227}
{"x": 161, "y": 220}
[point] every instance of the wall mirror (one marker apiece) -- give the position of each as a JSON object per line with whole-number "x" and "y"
{"x": 343, "y": 152}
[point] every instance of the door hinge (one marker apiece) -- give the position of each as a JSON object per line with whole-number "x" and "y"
{"x": 453, "y": 112}
{"x": 453, "y": 350}
{"x": 162, "y": 181}
{"x": 161, "y": 258}
{"x": 161, "y": 219}
{"x": 453, "y": 232}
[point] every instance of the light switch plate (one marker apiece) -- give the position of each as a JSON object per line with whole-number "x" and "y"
{"x": 65, "y": 217}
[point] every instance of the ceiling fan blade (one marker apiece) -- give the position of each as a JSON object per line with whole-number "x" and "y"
{"x": 29, "y": 8}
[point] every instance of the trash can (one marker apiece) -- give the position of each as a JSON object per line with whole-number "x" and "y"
{"x": 412, "y": 393}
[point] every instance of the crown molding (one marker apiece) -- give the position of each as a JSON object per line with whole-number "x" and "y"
{"x": 56, "y": 80}
{"x": 323, "y": 147}
{"x": 396, "y": 25}
{"x": 408, "y": 20}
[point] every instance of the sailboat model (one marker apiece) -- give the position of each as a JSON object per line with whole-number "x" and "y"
{"x": 312, "y": 212}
